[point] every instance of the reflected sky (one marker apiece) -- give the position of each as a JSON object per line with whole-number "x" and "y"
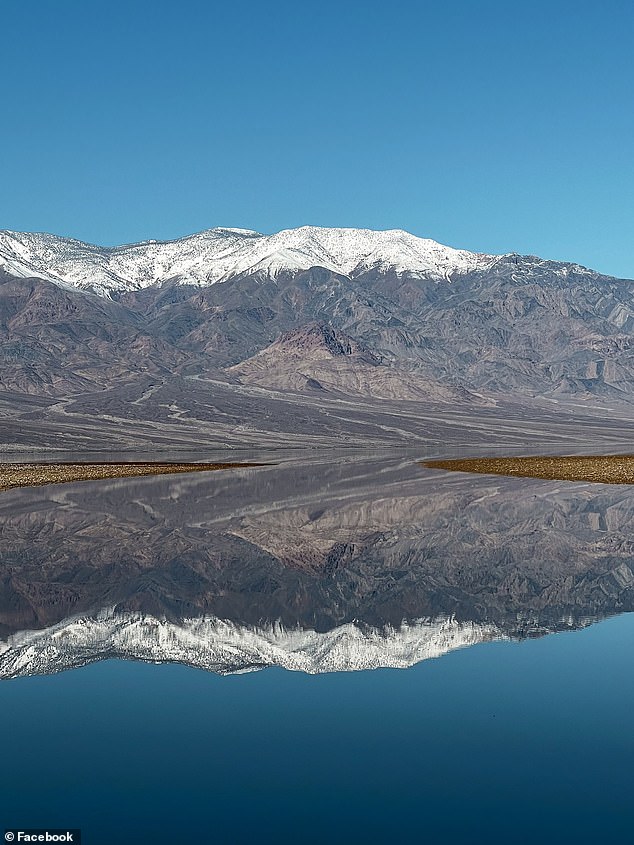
{"x": 516, "y": 742}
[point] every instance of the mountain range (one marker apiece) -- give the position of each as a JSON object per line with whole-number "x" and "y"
{"x": 308, "y": 336}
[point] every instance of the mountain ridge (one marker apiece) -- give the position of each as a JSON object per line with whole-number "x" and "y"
{"x": 218, "y": 254}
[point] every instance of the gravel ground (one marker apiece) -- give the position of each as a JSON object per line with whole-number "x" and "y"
{"x": 607, "y": 469}
{"x": 32, "y": 475}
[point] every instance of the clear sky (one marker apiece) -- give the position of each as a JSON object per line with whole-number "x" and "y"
{"x": 489, "y": 125}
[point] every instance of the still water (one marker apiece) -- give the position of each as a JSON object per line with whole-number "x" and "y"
{"x": 460, "y": 648}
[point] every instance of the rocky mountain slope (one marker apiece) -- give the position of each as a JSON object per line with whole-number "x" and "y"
{"x": 228, "y": 311}
{"x": 318, "y": 357}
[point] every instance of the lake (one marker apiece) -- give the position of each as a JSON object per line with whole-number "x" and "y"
{"x": 331, "y": 648}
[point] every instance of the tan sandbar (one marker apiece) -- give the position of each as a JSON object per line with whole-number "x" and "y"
{"x": 33, "y": 475}
{"x": 606, "y": 469}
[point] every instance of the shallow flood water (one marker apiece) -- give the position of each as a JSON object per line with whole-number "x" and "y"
{"x": 459, "y": 645}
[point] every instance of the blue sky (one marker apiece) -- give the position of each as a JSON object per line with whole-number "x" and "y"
{"x": 493, "y": 126}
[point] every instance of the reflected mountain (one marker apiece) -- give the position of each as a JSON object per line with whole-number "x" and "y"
{"x": 316, "y": 564}
{"x": 223, "y": 647}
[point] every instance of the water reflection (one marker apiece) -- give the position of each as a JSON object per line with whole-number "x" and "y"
{"x": 316, "y": 564}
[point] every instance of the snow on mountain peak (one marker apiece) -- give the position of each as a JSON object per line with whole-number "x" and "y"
{"x": 218, "y": 254}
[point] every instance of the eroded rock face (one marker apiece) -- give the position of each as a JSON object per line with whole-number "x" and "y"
{"x": 312, "y": 546}
{"x": 318, "y": 357}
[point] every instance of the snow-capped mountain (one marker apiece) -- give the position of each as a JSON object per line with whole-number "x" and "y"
{"x": 224, "y": 647}
{"x": 220, "y": 254}
{"x": 229, "y": 312}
